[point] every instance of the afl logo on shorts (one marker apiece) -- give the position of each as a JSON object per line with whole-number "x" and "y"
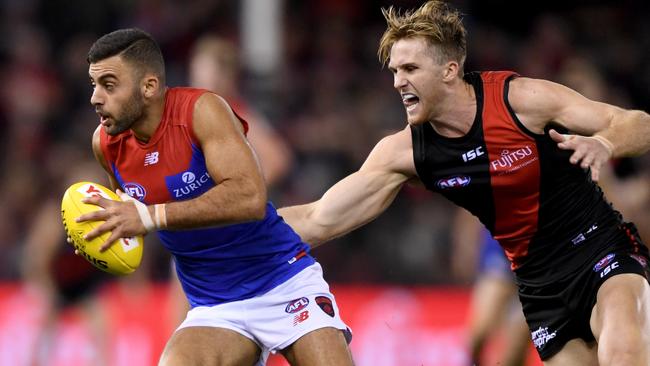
{"x": 135, "y": 190}
{"x": 604, "y": 262}
{"x": 297, "y": 305}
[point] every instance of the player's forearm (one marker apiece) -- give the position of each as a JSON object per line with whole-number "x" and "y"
{"x": 628, "y": 134}
{"x": 229, "y": 202}
{"x": 349, "y": 204}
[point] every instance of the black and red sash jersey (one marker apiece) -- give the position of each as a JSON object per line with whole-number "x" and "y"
{"x": 547, "y": 214}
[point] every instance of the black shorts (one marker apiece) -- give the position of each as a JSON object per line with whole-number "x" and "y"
{"x": 561, "y": 311}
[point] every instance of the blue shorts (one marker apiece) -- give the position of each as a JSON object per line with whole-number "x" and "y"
{"x": 492, "y": 259}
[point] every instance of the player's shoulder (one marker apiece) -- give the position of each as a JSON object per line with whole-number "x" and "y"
{"x": 209, "y": 100}
{"x": 212, "y": 114}
{"x": 526, "y": 88}
{"x": 394, "y": 152}
{"x": 397, "y": 141}
{"x": 529, "y": 95}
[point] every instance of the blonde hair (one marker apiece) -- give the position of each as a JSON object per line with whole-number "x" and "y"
{"x": 435, "y": 21}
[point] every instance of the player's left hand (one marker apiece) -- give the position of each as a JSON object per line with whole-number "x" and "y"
{"x": 589, "y": 152}
{"x": 121, "y": 219}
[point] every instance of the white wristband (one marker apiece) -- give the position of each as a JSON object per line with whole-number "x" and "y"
{"x": 608, "y": 144}
{"x": 143, "y": 211}
{"x": 145, "y": 216}
{"x": 160, "y": 214}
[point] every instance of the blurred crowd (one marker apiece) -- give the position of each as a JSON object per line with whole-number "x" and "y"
{"x": 326, "y": 106}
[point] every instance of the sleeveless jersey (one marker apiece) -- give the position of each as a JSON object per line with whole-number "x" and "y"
{"x": 217, "y": 264}
{"x": 547, "y": 214}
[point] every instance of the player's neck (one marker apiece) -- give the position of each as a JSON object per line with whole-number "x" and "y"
{"x": 458, "y": 112}
{"x": 144, "y": 128}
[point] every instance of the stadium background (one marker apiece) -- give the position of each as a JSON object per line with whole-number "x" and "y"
{"x": 311, "y": 67}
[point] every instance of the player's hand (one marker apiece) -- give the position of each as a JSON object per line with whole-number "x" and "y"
{"x": 121, "y": 219}
{"x": 69, "y": 240}
{"x": 589, "y": 152}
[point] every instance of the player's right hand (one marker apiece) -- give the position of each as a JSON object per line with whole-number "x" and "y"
{"x": 590, "y": 152}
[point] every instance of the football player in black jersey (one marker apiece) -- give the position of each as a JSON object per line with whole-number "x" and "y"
{"x": 523, "y": 156}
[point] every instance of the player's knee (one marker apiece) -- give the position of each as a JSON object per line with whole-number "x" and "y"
{"x": 627, "y": 349}
{"x": 170, "y": 359}
{"x": 173, "y": 355}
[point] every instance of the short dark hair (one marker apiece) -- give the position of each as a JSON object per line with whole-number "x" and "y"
{"x": 134, "y": 46}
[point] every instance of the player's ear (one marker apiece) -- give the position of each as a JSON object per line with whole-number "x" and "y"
{"x": 450, "y": 71}
{"x": 150, "y": 84}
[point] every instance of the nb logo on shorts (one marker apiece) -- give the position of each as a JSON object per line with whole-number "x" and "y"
{"x": 299, "y": 318}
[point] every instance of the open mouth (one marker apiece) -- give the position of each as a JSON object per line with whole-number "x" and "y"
{"x": 103, "y": 118}
{"x": 410, "y": 101}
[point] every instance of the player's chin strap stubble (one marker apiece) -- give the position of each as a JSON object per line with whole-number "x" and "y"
{"x": 159, "y": 221}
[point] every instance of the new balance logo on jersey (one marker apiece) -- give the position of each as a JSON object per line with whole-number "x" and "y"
{"x": 151, "y": 158}
{"x": 473, "y": 154}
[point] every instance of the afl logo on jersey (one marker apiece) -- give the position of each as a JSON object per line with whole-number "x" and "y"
{"x": 135, "y": 190}
{"x": 455, "y": 181}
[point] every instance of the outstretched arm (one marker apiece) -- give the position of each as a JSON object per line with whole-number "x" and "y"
{"x": 602, "y": 130}
{"x": 358, "y": 198}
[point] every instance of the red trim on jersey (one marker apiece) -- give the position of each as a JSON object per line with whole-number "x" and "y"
{"x": 514, "y": 170}
{"x": 239, "y": 105}
{"x": 186, "y": 111}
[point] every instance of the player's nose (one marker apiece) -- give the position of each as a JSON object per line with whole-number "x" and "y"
{"x": 398, "y": 81}
{"x": 96, "y": 98}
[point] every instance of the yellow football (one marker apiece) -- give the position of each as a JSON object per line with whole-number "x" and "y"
{"x": 123, "y": 257}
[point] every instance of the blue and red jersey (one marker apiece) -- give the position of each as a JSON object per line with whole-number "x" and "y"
{"x": 217, "y": 264}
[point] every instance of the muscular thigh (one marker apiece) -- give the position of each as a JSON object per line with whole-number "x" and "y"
{"x": 575, "y": 352}
{"x": 321, "y": 347}
{"x": 623, "y": 304}
{"x": 209, "y": 346}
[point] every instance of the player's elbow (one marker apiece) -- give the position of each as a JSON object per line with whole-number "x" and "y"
{"x": 258, "y": 211}
{"x": 319, "y": 236}
{"x": 323, "y": 228}
{"x": 256, "y": 205}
